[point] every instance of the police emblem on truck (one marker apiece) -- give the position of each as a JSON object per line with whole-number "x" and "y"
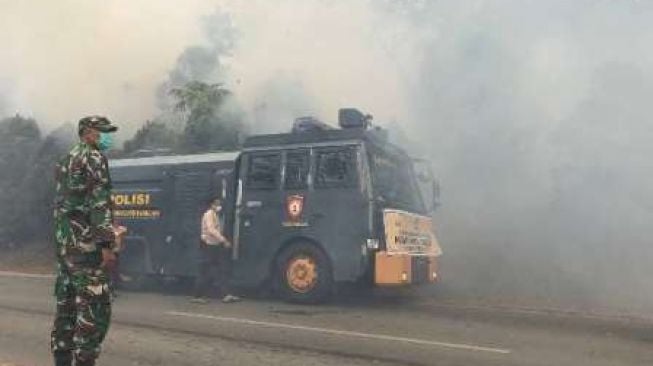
{"x": 294, "y": 210}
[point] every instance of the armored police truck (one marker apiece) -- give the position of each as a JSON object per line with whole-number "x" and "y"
{"x": 304, "y": 210}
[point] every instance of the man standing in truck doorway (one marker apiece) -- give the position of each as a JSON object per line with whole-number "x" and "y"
{"x": 215, "y": 256}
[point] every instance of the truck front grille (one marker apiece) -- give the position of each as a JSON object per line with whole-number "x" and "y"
{"x": 420, "y": 269}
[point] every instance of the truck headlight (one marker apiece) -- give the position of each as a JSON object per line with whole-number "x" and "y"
{"x": 404, "y": 276}
{"x": 373, "y": 244}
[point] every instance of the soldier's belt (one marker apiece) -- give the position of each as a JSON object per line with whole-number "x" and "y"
{"x": 77, "y": 215}
{"x": 92, "y": 258}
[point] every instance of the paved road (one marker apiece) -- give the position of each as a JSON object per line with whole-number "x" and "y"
{"x": 155, "y": 329}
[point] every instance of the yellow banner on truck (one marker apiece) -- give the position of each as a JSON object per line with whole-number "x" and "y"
{"x": 411, "y": 250}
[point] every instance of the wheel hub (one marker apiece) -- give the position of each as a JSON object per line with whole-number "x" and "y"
{"x": 301, "y": 274}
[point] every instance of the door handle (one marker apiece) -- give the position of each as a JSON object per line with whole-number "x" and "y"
{"x": 253, "y": 204}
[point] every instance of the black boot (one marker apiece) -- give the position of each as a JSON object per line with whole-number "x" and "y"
{"x": 84, "y": 358}
{"x": 63, "y": 358}
{"x": 90, "y": 362}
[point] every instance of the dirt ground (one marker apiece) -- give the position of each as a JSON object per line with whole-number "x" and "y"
{"x": 34, "y": 258}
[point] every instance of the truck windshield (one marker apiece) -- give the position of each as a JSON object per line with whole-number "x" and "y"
{"x": 394, "y": 182}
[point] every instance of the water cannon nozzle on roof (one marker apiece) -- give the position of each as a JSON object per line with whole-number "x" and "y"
{"x": 353, "y": 118}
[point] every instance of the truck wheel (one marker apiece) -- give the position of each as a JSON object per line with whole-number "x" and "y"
{"x": 304, "y": 274}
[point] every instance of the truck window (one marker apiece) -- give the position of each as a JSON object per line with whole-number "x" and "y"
{"x": 335, "y": 167}
{"x": 263, "y": 171}
{"x": 394, "y": 181}
{"x": 297, "y": 167}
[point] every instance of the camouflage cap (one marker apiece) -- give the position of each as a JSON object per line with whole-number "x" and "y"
{"x": 99, "y": 123}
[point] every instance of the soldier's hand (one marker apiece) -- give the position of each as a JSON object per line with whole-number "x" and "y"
{"x": 108, "y": 258}
{"x": 226, "y": 243}
{"x": 119, "y": 231}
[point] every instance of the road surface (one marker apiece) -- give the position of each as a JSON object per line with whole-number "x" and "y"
{"x": 159, "y": 329}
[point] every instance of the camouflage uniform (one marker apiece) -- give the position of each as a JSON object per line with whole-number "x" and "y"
{"x": 83, "y": 226}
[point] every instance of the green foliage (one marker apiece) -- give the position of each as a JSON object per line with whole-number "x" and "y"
{"x": 26, "y": 178}
{"x": 153, "y": 135}
{"x": 209, "y": 125}
{"x": 34, "y": 212}
{"x": 212, "y": 122}
{"x": 19, "y": 140}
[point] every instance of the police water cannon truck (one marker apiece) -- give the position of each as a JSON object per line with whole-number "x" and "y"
{"x": 304, "y": 210}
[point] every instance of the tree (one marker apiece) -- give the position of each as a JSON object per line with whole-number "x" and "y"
{"x": 34, "y": 214}
{"x": 153, "y": 135}
{"x": 208, "y": 126}
{"x": 19, "y": 141}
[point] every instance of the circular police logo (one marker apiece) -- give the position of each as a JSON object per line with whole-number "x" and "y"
{"x": 294, "y": 206}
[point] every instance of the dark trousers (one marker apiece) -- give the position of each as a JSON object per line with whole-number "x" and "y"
{"x": 114, "y": 274}
{"x": 214, "y": 269}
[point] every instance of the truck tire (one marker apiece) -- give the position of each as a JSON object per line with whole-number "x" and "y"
{"x": 304, "y": 274}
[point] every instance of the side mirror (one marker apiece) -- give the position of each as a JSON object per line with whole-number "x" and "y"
{"x": 435, "y": 185}
{"x": 428, "y": 184}
{"x": 379, "y": 200}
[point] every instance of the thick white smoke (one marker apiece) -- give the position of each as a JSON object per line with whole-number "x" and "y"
{"x": 69, "y": 58}
{"x": 536, "y": 114}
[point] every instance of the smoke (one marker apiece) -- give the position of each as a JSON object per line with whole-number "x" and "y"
{"x": 204, "y": 62}
{"x": 535, "y": 114}
{"x": 280, "y": 100}
{"x": 5, "y": 97}
{"x": 69, "y": 58}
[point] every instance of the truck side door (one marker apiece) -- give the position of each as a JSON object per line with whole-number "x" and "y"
{"x": 258, "y": 215}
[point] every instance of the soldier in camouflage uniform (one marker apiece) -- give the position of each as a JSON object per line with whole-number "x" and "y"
{"x": 84, "y": 238}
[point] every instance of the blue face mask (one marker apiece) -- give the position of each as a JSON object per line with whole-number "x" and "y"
{"x": 105, "y": 142}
